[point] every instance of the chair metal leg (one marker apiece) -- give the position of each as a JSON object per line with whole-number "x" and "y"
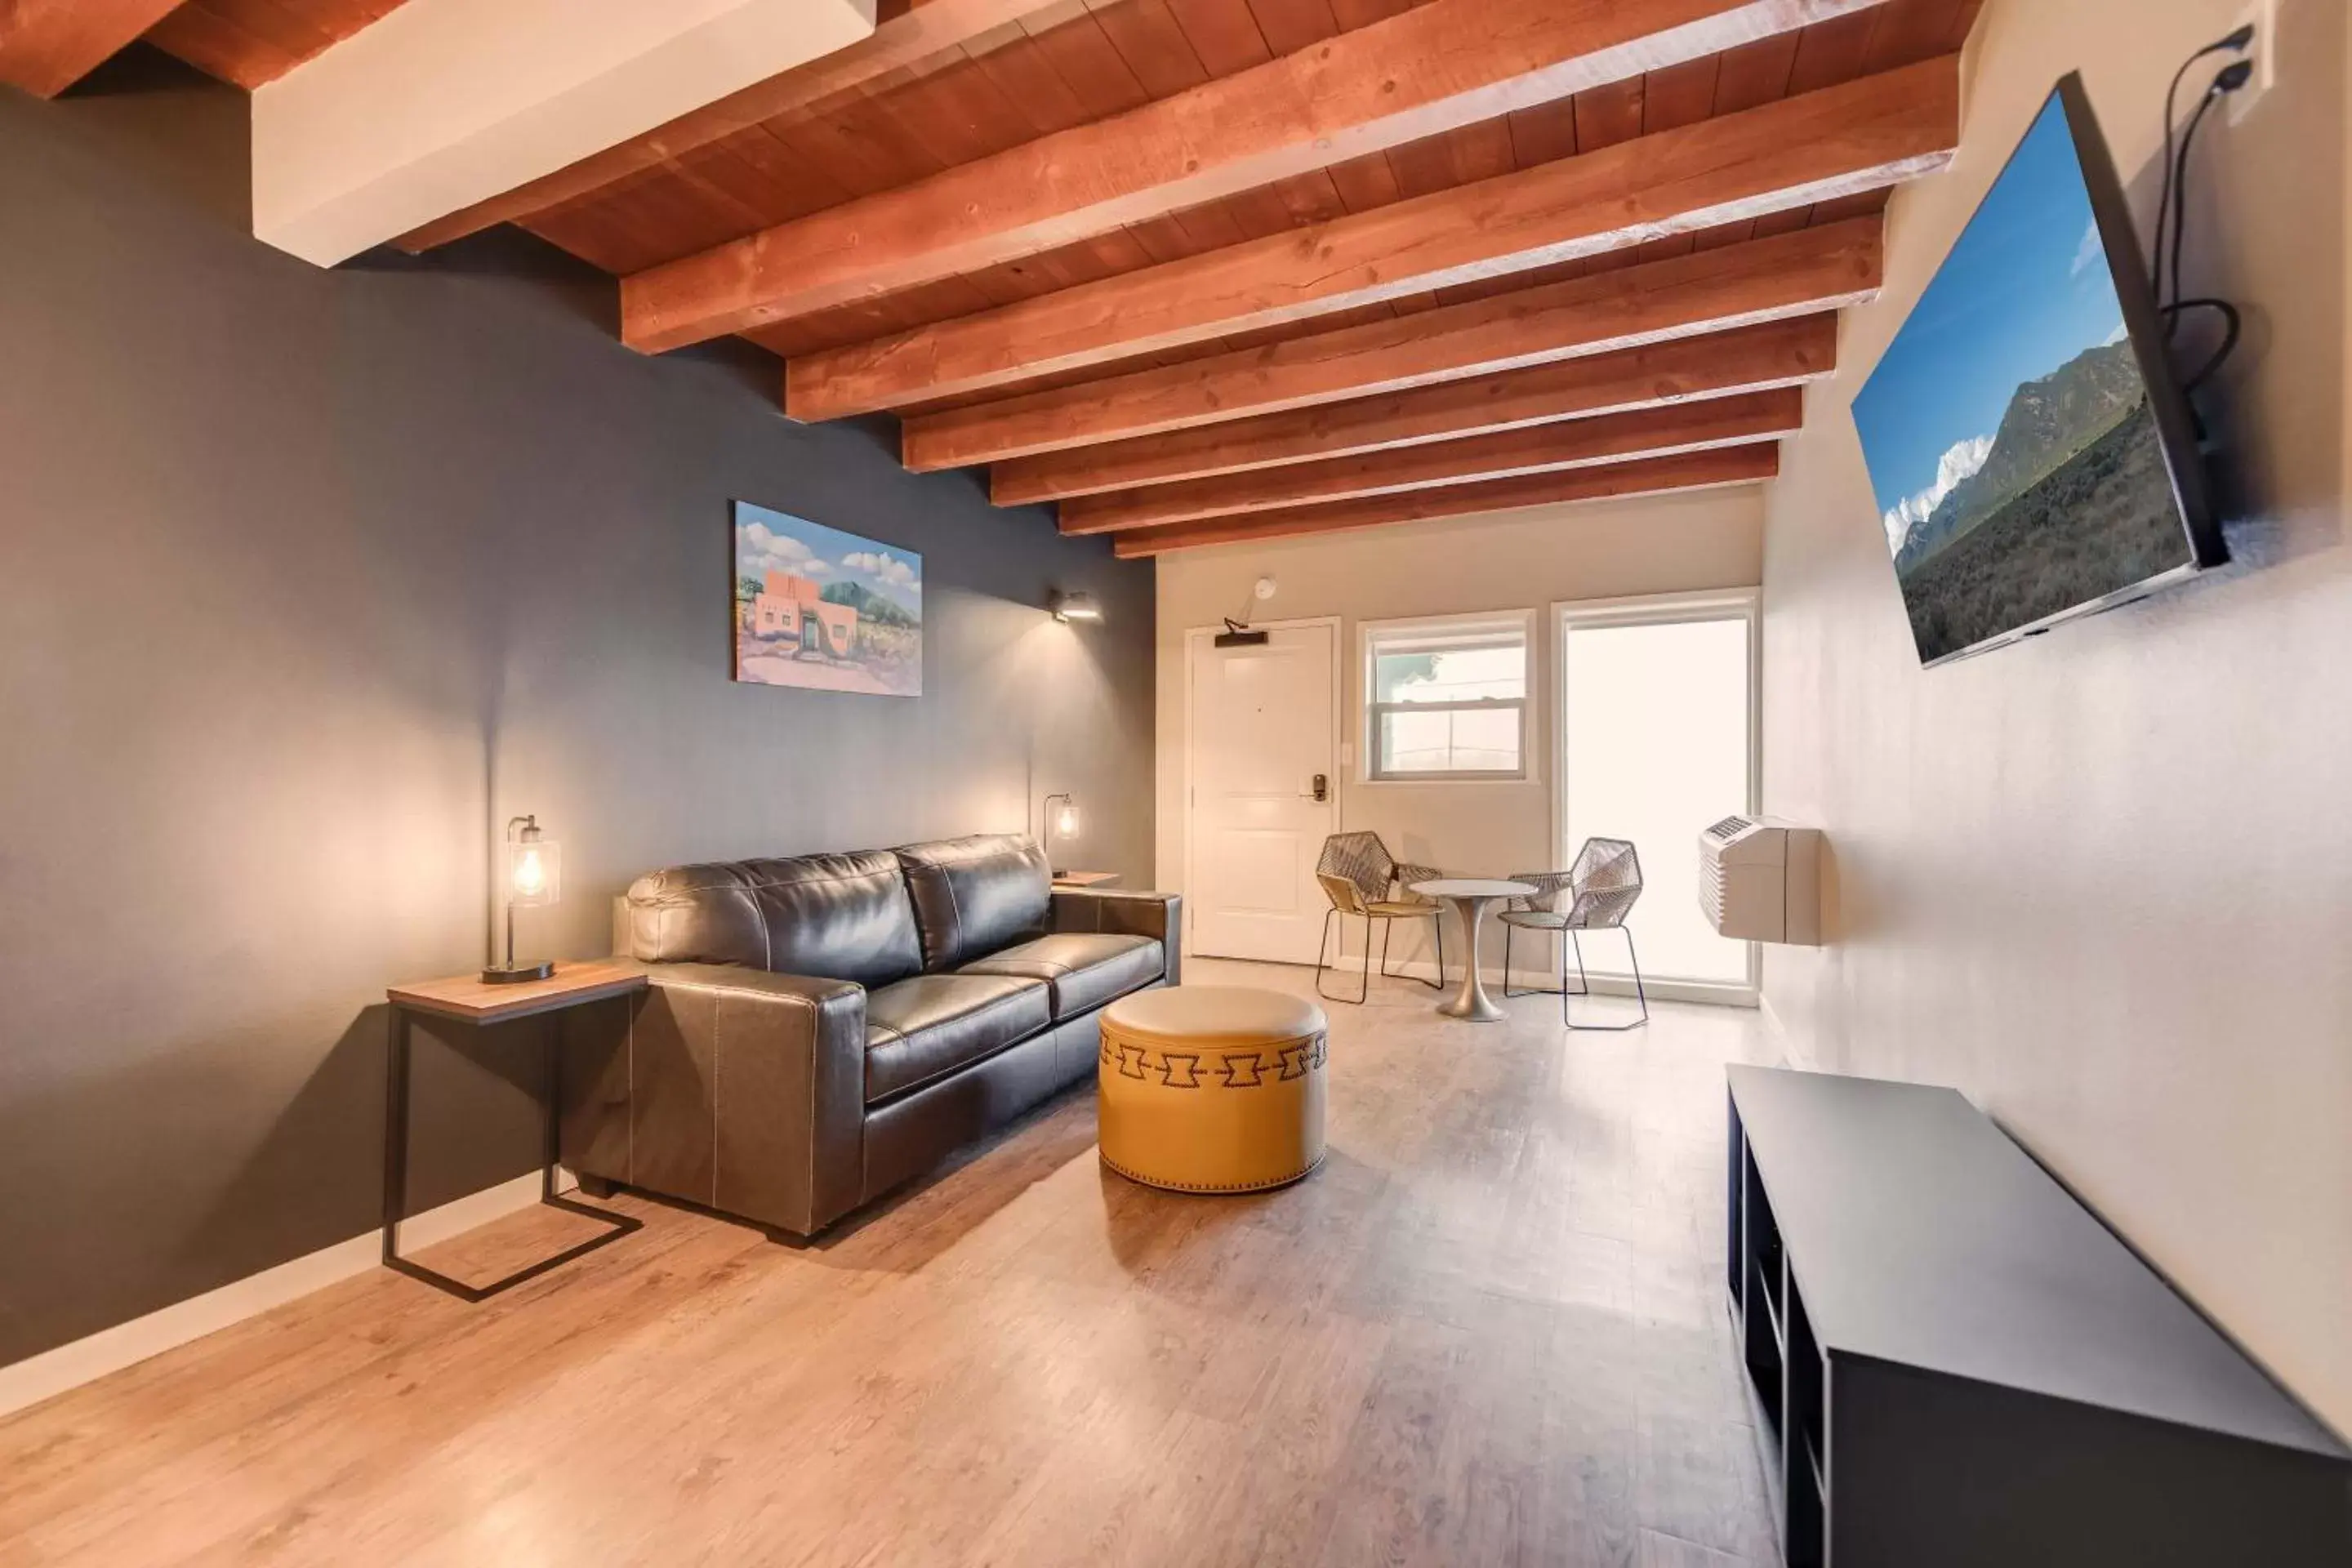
{"x": 1329, "y": 916}
{"x": 1639, "y": 991}
{"x": 1509, "y": 931}
{"x": 1438, "y": 927}
{"x": 1559, "y": 990}
{"x": 1583, "y": 982}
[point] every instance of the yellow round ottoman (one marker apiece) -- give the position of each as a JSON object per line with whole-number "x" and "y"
{"x": 1212, "y": 1089}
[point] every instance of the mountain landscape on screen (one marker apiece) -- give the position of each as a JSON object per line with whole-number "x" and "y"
{"x": 2007, "y": 428}
{"x": 2048, "y": 422}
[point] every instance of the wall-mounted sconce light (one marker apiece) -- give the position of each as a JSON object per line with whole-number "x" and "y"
{"x": 534, "y": 876}
{"x": 1061, "y": 823}
{"x": 1073, "y": 606}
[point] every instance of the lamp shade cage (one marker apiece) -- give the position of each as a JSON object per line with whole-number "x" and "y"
{"x": 534, "y": 879}
{"x": 534, "y": 870}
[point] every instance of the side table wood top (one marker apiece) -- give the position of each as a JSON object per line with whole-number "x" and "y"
{"x": 477, "y": 1000}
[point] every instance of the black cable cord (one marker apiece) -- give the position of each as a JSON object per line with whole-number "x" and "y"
{"x": 2173, "y": 208}
{"x": 2238, "y": 40}
{"x": 2178, "y": 181}
{"x": 2164, "y": 195}
{"x": 2232, "y": 323}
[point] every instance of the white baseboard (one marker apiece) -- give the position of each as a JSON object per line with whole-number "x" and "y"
{"x": 68, "y": 1366}
{"x": 1602, "y": 985}
{"x": 1418, "y": 969}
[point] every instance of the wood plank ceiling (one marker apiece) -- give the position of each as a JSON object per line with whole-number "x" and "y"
{"x": 1203, "y": 272}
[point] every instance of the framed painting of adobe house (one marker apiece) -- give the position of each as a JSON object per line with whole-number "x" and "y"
{"x": 824, "y": 609}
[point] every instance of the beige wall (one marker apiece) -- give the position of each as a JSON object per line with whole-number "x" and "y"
{"x": 1517, "y": 561}
{"x": 2102, "y": 881}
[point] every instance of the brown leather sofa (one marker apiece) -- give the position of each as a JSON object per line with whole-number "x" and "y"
{"x": 822, "y": 1028}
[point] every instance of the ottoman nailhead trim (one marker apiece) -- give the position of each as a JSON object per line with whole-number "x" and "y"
{"x": 1301, "y": 1175}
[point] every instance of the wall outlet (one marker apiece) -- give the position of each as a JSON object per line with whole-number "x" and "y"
{"x": 2264, "y": 52}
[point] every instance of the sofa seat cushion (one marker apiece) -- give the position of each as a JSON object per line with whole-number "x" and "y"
{"x": 1084, "y": 969}
{"x": 928, "y": 1025}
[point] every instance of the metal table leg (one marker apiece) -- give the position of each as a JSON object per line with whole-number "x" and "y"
{"x": 395, "y": 1170}
{"x": 1471, "y": 1002}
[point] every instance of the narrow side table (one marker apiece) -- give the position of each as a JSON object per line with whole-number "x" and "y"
{"x": 1074, "y": 880}
{"x": 468, "y": 999}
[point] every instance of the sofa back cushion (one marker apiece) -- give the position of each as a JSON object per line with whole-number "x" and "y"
{"x": 975, "y": 894}
{"x": 841, "y": 917}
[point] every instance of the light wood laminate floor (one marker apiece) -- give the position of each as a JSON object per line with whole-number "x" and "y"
{"x": 1489, "y": 1331}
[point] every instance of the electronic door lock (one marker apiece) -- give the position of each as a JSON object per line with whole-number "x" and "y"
{"x": 1322, "y": 787}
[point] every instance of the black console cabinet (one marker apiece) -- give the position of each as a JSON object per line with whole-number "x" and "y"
{"x": 1962, "y": 1367}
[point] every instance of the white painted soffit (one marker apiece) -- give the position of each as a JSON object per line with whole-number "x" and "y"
{"x": 444, "y": 103}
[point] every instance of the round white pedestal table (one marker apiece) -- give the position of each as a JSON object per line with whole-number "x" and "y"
{"x": 1470, "y": 896}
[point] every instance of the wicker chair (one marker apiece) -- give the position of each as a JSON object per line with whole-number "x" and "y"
{"x": 1594, "y": 894}
{"x": 1360, "y": 878}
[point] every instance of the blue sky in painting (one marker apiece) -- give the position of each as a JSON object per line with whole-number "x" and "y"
{"x": 2025, "y": 290}
{"x": 767, "y": 540}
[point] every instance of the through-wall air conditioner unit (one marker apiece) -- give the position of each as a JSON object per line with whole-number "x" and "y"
{"x": 1759, "y": 879}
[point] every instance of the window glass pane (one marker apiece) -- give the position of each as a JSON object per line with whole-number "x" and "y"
{"x": 1656, "y": 728}
{"x": 1428, "y": 672}
{"x": 1476, "y": 739}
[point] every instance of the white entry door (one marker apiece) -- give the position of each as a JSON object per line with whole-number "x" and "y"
{"x": 1264, "y": 731}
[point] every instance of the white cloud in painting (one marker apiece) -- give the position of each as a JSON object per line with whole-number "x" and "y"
{"x": 882, "y": 566}
{"x": 760, "y": 550}
{"x": 2089, "y": 251}
{"x": 1959, "y": 460}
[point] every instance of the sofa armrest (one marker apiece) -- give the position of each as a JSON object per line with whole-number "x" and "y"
{"x": 748, "y": 1092}
{"x": 1159, "y": 916}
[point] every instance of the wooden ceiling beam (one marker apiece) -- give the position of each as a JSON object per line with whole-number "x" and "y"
{"x": 1652, "y": 476}
{"x": 1859, "y": 136}
{"x": 904, "y": 37}
{"x": 1799, "y": 273}
{"x": 1746, "y": 358}
{"x": 440, "y": 105}
{"x": 47, "y": 46}
{"x": 1536, "y": 450}
{"x": 1420, "y": 73}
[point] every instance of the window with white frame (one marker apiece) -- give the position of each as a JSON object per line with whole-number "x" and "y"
{"x": 1446, "y": 699}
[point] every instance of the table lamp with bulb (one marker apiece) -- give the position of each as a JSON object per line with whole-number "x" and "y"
{"x": 1062, "y": 824}
{"x": 534, "y": 875}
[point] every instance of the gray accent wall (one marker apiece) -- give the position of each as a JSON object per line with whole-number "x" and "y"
{"x": 310, "y": 579}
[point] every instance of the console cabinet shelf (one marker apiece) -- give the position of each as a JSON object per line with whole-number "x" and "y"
{"x": 1959, "y": 1366}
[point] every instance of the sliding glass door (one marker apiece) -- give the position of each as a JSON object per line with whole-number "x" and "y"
{"x": 1657, "y": 739}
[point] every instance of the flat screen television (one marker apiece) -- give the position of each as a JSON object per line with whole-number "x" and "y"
{"x": 2031, "y": 452}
